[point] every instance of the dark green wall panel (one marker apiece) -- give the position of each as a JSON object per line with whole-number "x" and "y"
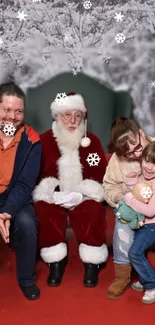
{"x": 103, "y": 104}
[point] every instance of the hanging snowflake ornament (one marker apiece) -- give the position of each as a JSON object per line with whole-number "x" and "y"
{"x": 61, "y": 98}
{"x": 75, "y": 72}
{"x": 1, "y": 41}
{"x": 68, "y": 38}
{"x": 120, "y": 38}
{"x": 118, "y": 17}
{"x": 93, "y": 159}
{"x": 152, "y": 84}
{"x": 146, "y": 192}
{"x": 21, "y": 15}
{"x": 9, "y": 130}
{"x": 87, "y": 4}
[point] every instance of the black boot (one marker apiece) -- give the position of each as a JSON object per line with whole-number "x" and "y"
{"x": 31, "y": 293}
{"x": 57, "y": 270}
{"x": 91, "y": 275}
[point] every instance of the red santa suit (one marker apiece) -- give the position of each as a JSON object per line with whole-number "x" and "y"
{"x": 74, "y": 169}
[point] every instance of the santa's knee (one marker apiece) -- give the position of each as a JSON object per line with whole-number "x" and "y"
{"x": 52, "y": 224}
{"x": 91, "y": 208}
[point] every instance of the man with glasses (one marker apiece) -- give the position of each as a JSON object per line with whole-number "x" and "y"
{"x": 70, "y": 186}
{"x": 127, "y": 144}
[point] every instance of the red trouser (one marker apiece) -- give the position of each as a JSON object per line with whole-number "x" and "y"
{"x": 87, "y": 221}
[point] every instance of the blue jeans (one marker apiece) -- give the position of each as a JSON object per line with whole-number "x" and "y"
{"x": 23, "y": 235}
{"x": 123, "y": 238}
{"x": 144, "y": 238}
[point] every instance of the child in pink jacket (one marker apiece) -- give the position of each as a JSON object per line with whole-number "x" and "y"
{"x": 145, "y": 236}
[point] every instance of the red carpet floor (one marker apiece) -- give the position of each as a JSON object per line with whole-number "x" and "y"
{"x": 71, "y": 303}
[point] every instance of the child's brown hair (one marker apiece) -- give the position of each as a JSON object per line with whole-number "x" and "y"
{"x": 149, "y": 153}
{"x": 123, "y": 131}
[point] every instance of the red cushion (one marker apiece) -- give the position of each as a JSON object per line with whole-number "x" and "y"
{"x": 108, "y": 156}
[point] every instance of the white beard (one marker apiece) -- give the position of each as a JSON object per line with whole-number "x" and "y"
{"x": 66, "y": 138}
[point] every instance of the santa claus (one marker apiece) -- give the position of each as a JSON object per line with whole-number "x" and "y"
{"x": 70, "y": 187}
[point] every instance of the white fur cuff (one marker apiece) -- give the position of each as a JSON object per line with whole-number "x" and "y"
{"x": 93, "y": 254}
{"x": 45, "y": 189}
{"x": 92, "y": 189}
{"x": 54, "y": 253}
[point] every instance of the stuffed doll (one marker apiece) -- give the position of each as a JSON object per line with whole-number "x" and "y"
{"x": 142, "y": 192}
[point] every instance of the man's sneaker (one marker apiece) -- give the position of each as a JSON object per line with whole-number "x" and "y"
{"x": 149, "y": 297}
{"x": 137, "y": 286}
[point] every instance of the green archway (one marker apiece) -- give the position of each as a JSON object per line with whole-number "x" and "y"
{"x": 104, "y": 105}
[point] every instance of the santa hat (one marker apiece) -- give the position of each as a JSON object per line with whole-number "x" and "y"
{"x": 69, "y": 102}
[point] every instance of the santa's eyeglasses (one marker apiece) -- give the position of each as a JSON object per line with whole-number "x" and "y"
{"x": 67, "y": 116}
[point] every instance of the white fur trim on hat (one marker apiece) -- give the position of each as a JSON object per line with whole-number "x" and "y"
{"x": 54, "y": 253}
{"x": 93, "y": 254}
{"x": 68, "y": 103}
{"x": 85, "y": 142}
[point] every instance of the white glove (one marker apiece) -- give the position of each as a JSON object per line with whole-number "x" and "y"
{"x": 67, "y": 200}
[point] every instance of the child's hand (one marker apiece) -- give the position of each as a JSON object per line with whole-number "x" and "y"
{"x": 141, "y": 223}
{"x": 131, "y": 179}
{"x": 132, "y": 175}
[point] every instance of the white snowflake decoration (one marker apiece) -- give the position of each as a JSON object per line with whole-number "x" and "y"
{"x": 36, "y": 0}
{"x": 1, "y": 42}
{"x": 87, "y": 4}
{"x": 152, "y": 84}
{"x": 9, "y": 130}
{"x": 75, "y": 72}
{"x": 120, "y": 38}
{"x": 93, "y": 159}
{"x": 118, "y": 17}
{"x": 146, "y": 192}
{"x": 68, "y": 38}
{"x": 21, "y": 15}
{"x": 61, "y": 98}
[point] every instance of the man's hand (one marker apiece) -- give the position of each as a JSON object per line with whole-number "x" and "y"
{"x": 5, "y": 226}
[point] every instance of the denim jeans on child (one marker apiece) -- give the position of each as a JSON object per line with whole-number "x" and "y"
{"x": 144, "y": 238}
{"x": 122, "y": 240}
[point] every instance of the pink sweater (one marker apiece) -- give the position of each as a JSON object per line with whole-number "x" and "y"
{"x": 148, "y": 210}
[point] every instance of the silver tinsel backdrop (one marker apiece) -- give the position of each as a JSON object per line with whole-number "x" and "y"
{"x": 111, "y": 41}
